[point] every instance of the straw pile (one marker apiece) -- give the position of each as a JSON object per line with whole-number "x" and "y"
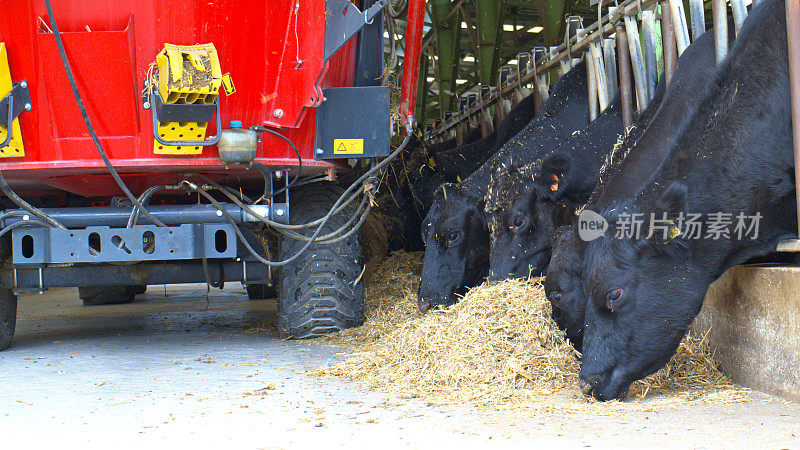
{"x": 497, "y": 346}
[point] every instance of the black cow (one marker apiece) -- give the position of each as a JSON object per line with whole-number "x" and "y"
{"x": 449, "y": 166}
{"x": 526, "y": 206}
{"x": 644, "y": 149}
{"x": 735, "y": 157}
{"x": 455, "y": 230}
{"x": 515, "y": 121}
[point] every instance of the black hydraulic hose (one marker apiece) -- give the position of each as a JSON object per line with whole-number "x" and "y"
{"x": 218, "y": 186}
{"x": 325, "y": 219}
{"x": 296, "y": 152}
{"x": 326, "y": 239}
{"x": 21, "y": 224}
{"x": 88, "y": 121}
{"x": 347, "y": 191}
{"x": 48, "y": 220}
{"x": 280, "y": 226}
{"x": 134, "y": 217}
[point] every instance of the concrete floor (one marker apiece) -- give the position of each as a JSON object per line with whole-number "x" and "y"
{"x": 179, "y": 370}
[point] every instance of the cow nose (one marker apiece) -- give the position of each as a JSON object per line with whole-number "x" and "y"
{"x": 586, "y": 387}
{"x": 589, "y": 383}
{"x": 423, "y": 304}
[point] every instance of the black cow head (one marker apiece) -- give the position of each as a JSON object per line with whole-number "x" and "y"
{"x": 564, "y": 288}
{"x": 642, "y": 296}
{"x": 456, "y": 247}
{"x": 524, "y": 213}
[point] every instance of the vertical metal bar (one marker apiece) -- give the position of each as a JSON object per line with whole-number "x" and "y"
{"x": 422, "y": 90}
{"x": 539, "y": 53}
{"x": 446, "y": 46}
{"x": 679, "y": 22}
{"x": 523, "y": 67}
{"x": 637, "y": 62}
{"x": 551, "y": 13}
{"x": 624, "y": 61}
{"x": 739, "y": 14}
{"x": 793, "y": 32}
{"x": 591, "y": 82}
{"x": 720, "y": 14}
{"x": 668, "y": 41}
{"x": 601, "y": 81}
{"x": 650, "y": 58}
{"x": 698, "y": 18}
{"x": 610, "y": 58}
{"x": 413, "y": 50}
{"x": 487, "y": 14}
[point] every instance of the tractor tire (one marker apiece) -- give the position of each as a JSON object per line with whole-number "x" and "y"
{"x": 140, "y": 289}
{"x": 8, "y": 317}
{"x": 261, "y": 291}
{"x": 106, "y": 295}
{"x": 319, "y": 294}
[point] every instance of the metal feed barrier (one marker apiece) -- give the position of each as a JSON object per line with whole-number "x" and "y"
{"x": 635, "y": 74}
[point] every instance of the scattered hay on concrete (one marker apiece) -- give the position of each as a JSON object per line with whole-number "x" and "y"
{"x": 497, "y": 346}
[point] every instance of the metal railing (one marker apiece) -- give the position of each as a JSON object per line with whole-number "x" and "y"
{"x": 637, "y": 63}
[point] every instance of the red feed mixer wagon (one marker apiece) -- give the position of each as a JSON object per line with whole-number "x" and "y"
{"x": 146, "y": 143}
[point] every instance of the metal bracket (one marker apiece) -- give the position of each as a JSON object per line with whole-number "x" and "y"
{"x": 12, "y": 105}
{"x": 344, "y": 20}
{"x": 39, "y": 245}
{"x": 181, "y": 111}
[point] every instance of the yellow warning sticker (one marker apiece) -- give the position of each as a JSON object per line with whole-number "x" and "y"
{"x": 348, "y": 146}
{"x": 227, "y": 84}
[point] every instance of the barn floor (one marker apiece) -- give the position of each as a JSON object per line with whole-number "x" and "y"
{"x": 179, "y": 370}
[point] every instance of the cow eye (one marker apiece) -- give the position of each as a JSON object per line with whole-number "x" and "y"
{"x": 612, "y": 298}
{"x": 554, "y": 297}
{"x": 518, "y": 221}
{"x": 453, "y": 236}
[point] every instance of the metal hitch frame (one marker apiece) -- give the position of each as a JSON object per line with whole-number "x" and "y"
{"x": 12, "y": 105}
{"x": 39, "y": 245}
{"x": 23, "y": 279}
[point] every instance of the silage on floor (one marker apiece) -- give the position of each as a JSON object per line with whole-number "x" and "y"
{"x": 497, "y": 346}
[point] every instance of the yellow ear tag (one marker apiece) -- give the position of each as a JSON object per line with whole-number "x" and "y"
{"x": 674, "y": 232}
{"x": 432, "y": 162}
{"x": 458, "y": 178}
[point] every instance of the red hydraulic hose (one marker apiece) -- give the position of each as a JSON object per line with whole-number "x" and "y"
{"x": 413, "y": 50}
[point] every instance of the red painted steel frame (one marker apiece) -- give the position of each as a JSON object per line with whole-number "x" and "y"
{"x": 413, "y": 49}
{"x": 272, "y": 49}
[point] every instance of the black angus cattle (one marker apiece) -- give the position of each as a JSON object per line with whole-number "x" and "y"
{"x": 412, "y": 180}
{"x": 396, "y": 201}
{"x": 455, "y": 229}
{"x": 634, "y": 163}
{"x": 450, "y": 166}
{"x": 525, "y": 206}
{"x": 735, "y": 157}
{"x": 515, "y": 121}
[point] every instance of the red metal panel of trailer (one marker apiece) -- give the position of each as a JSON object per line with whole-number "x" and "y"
{"x": 273, "y": 51}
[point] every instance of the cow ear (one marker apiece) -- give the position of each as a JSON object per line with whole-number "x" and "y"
{"x": 673, "y": 201}
{"x": 552, "y": 176}
{"x": 670, "y": 207}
